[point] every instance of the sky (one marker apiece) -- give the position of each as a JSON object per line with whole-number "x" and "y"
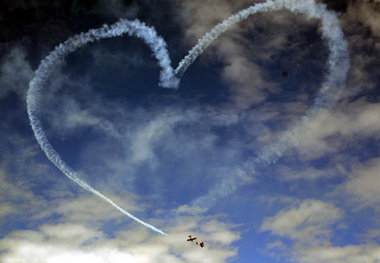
{"x": 263, "y": 142}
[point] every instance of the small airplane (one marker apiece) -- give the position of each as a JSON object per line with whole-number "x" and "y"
{"x": 202, "y": 244}
{"x": 191, "y": 238}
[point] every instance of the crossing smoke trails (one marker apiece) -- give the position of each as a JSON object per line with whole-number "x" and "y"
{"x": 169, "y": 78}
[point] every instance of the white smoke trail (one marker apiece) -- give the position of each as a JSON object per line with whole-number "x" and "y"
{"x": 329, "y": 93}
{"x": 136, "y": 28}
{"x": 337, "y": 65}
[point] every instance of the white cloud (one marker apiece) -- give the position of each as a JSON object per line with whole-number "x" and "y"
{"x": 364, "y": 183}
{"x": 16, "y": 197}
{"x": 89, "y": 208}
{"x": 82, "y": 242}
{"x": 332, "y": 131}
{"x": 72, "y": 231}
{"x": 347, "y": 254}
{"x": 308, "y": 224}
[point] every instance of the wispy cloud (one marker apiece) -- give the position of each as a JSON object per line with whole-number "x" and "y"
{"x": 15, "y": 72}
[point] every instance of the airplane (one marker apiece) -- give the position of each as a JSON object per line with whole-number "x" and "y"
{"x": 202, "y": 244}
{"x": 191, "y": 238}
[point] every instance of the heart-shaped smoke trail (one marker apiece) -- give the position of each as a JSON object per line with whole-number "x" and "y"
{"x": 327, "y": 96}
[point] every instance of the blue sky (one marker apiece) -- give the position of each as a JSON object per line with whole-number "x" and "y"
{"x": 185, "y": 160}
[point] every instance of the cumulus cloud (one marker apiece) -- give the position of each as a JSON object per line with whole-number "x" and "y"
{"x": 19, "y": 202}
{"x": 89, "y": 209}
{"x": 333, "y": 131}
{"x": 20, "y": 171}
{"x": 78, "y": 243}
{"x": 364, "y": 184}
{"x": 83, "y": 240}
{"x": 65, "y": 227}
{"x": 347, "y": 254}
{"x": 308, "y": 224}
{"x": 311, "y": 225}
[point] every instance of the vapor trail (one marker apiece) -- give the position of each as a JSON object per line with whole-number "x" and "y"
{"x": 337, "y": 67}
{"x": 135, "y": 28}
{"x": 327, "y": 95}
